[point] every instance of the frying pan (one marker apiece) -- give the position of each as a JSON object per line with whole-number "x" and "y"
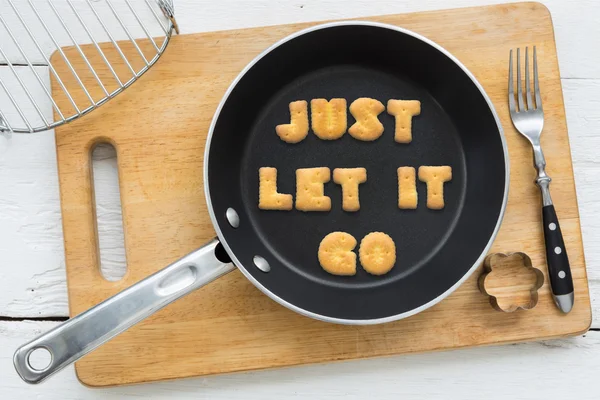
{"x": 277, "y": 250}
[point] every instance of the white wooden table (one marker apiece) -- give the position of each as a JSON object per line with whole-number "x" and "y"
{"x": 33, "y": 296}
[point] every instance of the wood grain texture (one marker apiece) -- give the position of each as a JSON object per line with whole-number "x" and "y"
{"x": 159, "y": 130}
{"x": 527, "y": 371}
{"x": 510, "y": 281}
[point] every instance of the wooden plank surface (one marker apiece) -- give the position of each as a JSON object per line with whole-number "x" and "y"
{"x": 165, "y": 215}
{"x": 443, "y": 375}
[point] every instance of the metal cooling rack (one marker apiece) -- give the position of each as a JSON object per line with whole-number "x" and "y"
{"x": 37, "y": 28}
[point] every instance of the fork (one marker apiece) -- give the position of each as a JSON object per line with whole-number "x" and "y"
{"x": 528, "y": 119}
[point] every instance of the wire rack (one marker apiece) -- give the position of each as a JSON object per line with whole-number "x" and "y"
{"x": 36, "y": 36}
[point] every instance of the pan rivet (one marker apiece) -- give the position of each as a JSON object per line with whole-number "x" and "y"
{"x": 261, "y": 264}
{"x": 232, "y": 217}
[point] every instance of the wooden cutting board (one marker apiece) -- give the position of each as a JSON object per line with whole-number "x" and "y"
{"x": 159, "y": 127}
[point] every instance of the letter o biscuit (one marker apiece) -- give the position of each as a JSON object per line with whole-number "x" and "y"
{"x": 377, "y": 253}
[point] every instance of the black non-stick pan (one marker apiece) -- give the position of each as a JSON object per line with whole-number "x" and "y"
{"x": 277, "y": 250}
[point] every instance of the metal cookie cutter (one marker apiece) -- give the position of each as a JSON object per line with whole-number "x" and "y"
{"x": 506, "y": 294}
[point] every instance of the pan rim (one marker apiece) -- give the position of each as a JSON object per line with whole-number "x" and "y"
{"x": 294, "y": 307}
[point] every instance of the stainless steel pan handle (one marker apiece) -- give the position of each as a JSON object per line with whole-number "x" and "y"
{"x": 78, "y": 336}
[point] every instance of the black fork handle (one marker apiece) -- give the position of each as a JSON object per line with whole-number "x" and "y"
{"x": 559, "y": 268}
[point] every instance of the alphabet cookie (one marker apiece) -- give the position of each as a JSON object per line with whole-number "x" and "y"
{"x": 403, "y": 110}
{"x": 329, "y": 118}
{"x": 336, "y": 254}
{"x": 297, "y": 129}
{"x": 435, "y": 178}
{"x": 407, "y": 188}
{"x": 310, "y": 191}
{"x": 367, "y": 126}
{"x": 350, "y": 178}
{"x": 268, "y": 198}
{"x": 377, "y": 253}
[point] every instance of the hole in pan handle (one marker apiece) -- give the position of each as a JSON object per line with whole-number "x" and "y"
{"x": 78, "y": 336}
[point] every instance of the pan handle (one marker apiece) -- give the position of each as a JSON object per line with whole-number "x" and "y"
{"x": 78, "y": 336}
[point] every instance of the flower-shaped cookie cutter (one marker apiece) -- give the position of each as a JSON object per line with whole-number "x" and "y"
{"x": 506, "y": 294}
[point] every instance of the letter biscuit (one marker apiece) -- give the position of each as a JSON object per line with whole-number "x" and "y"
{"x": 336, "y": 255}
{"x": 407, "y": 188}
{"x": 403, "y": 110}
{"x": 377, "y": 253}
{"x": 268, "y": 198}
{"x": 297, "y": 129}
{"x": 310, "y": 192}
{"x": 435, "y": 178}
{"x": 350, "y": 178}
{"x": 367, "y": 126}
{"x": 329, "y": 118}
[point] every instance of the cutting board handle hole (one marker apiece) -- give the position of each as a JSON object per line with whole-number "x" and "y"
{"x": 108, "y": 212}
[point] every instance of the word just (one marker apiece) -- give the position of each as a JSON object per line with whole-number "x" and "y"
{"x": 330, "y": 122}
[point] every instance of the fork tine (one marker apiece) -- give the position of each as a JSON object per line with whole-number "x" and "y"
{"x": 536, "y": 84}
{"x": 527, "y": 83}
{"x": 511, "y": 83}
{"x": 519, "y": 84}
